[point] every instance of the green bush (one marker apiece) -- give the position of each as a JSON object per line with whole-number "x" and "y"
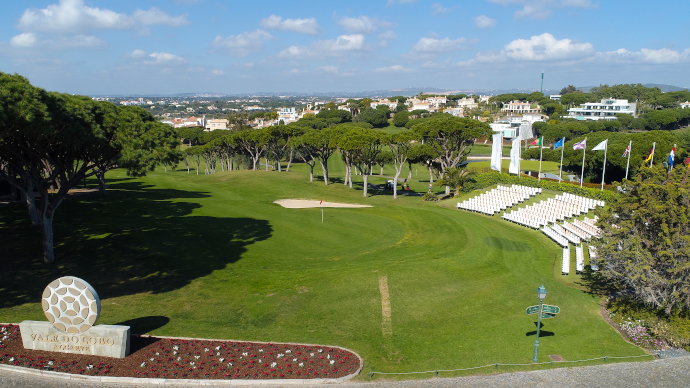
{"x": 492, "y": 178}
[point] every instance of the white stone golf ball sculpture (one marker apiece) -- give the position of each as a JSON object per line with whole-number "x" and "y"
{"x": 71, "y": 304}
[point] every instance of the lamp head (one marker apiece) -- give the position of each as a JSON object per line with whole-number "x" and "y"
{"x": 541, "y": 292}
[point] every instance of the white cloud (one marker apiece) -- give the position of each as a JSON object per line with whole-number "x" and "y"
{"x": 73, "y": 16}
{"x": 439, "y": 9}
{"x": 164, "y": 59}
{"x": 217, "y": 72}
{"x": 329, "y": 69}
{"x": 542, "y": 9}
{"x": 243, "y": 43}
{"x": 644, "y": 55}
{"x": 137, "y": 53}
{"x": 155, "y": 16}
{"x": 26, "y": 39}
{"x": 303, "y": 26}
{"x": 392, "y": 69}
{"x": 435, "y": 45}
{"x": 362, "y": 24}
{"x": 546, "y": 47}
{"x": 341, "y": 44}
{"x": 483, "y": 21}
{"x": 294, "y": 52}
{"x": 385, "y": 37}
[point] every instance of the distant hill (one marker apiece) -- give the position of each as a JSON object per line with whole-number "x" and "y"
{"x": 664, "y": 88}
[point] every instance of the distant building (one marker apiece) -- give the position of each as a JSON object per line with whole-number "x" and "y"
{"x": 213, "y": 124}
{"x": 607, "y": 109}
{"x": 391, "y": 104}
{"x": 684, "y": 105}
{"x": 287, "y": 115}
{"x": 555, "y": 97}
{"x": 516, "y": 107}
{"x": 511, "y": 127}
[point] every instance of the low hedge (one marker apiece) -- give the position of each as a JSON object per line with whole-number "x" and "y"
{"x": 487, "y": 179}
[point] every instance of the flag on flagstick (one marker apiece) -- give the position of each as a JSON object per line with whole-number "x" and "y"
{"x": 558, "y": 144}
{"x": 601, "y": 146}
{"x": 627, "y": 153}
{"x": 672, "y": 157}
{"x": 538, "y": 141}
{"x": 651, "y": 153}
{"x": 580, "y": 145}
{"x": 321, "y": 205}
{"x": 627, "y": 150}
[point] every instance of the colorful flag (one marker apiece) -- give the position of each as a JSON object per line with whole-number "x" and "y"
{"x": 672, "y": 156}
{"x": 627, "y": 150}
{"x": 580, "y": 145}
{"x": 601, "y": 146}
{"x": 558, "y": 144}
{"x": 321, "y": 202}
{"x": 651, "y": 154}
{"x": 538, "y": 141}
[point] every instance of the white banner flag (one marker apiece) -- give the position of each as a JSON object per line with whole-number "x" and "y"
{"x": 601, "y": 146}
{"x": 496, "y": 152}
{"x": 514, "y": 167}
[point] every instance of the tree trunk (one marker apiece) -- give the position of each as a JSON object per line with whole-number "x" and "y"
{"x": 100, "y": 175}
{"x": 255, "y": 160}
{"x": 431, "y": 176}
{"x": 324, "y": 168}
{"x": 198, "y": 167}
{"x": 381, "y": 173}
{"x": 287, "y": 169}
{"x": 365, "y": 180}
{"x": 395, "y": 182}
{"x": 186, "y": 162}
{"x": 266, "y": 163}
{"x": 30, "y": 201}
{"x": 447, "y": 190}
{"x": 47, "y": 237}
{"x": 311, "y": 173}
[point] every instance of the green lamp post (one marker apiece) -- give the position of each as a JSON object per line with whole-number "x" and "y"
{"x": 541, "y": 294}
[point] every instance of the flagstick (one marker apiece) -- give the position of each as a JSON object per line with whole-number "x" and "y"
{"x": 560, "y": 171}
{"x": 651, "y": 160}
{"x": 541, "y": 150}
{"x": 627, "y": 166}
{"x": 603, "y": 170}
{"x": 582, "y": 174}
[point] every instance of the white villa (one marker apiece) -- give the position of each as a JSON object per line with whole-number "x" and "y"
{"x": 288, "y": 115}
{"x": 391, "y": 104}
{"x": 684, "y": 105}
{"x": 607, "y": 109}
{"x": 511, "y": 127}
{"x": 516, "y": 107}
{"x": 213, "y": 124}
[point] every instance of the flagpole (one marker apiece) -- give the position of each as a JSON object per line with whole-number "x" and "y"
{"x": 582, "y": 174}
{"x": 560, "y": 171}
{"x": 520, "y": 156}
{"x": 651, "y": 160}
{"x": 541, "y": 150}
{"x": 603, "y": 170}
{"x": 627, "y": 166}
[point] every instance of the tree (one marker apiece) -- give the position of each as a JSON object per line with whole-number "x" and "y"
{"x": 456, "y": 178}
{"x": 644, "y": 253}
{"x": 401, "y": 118}
{"x": 316, "y": 145}
{"x": 400, "y": 145}
{"x": 363, "y": 145}
{"x": 49, "y": 142}
{"x": 377, "y": 118}
{"x": 568, "y": 89}
{"x": 279, "y": 140}
{"x": 254, "y": 142}
{"x": 451, "y": 137}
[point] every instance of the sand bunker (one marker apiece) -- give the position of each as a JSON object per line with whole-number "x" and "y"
{"x": 307, "y": 203}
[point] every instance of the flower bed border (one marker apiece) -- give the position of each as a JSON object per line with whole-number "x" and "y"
{"x": 177, "y": 381}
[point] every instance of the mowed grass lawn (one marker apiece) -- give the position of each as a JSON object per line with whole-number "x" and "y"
{"x": 213, "y": 257}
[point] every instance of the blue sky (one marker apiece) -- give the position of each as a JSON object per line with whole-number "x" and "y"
{"x": 139, "y": 47}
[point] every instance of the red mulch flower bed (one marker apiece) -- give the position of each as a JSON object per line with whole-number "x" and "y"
{"x": 173, "y": 358}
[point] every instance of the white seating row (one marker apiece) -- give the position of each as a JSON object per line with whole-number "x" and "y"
{"x": 588, "y": 228}
{"x": 560, "y": 240}
{"x": 572, "y": 228}
{"x": 579, "y": 259}
{"x": 570, "y": 236}
{"x": 498, "y": 199}
{"x": 565, "y": 266}
{"x": 552, "y": 210}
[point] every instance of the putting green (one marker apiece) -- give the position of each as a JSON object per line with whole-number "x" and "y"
{"x": 214, "y": 257}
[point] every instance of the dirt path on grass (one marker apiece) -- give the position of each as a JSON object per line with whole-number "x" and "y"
{"x": 386, "y": 312}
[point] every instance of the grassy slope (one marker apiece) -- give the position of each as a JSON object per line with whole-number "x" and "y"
{"x": 212, "y": 256}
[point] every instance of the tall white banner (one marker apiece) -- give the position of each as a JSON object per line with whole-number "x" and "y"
{"x": 514, "y": 167}
{"x": 496, "y": 152}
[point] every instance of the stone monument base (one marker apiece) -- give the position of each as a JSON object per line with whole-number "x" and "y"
{"x": 99, "y": 340}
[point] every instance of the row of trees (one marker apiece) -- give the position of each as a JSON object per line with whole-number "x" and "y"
{"x": 440, "y": 142}
{"x": 50, "y": 142}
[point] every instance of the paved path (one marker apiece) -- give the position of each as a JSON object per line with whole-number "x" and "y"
{"x": 671, "y": 372}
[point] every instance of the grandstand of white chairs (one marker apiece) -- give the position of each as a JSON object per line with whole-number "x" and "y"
{"x": 579, "y": 259}
{"x": 552, "y": 210}
{"x": 498, "y": 199}
{"x": 565, "y": 266}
